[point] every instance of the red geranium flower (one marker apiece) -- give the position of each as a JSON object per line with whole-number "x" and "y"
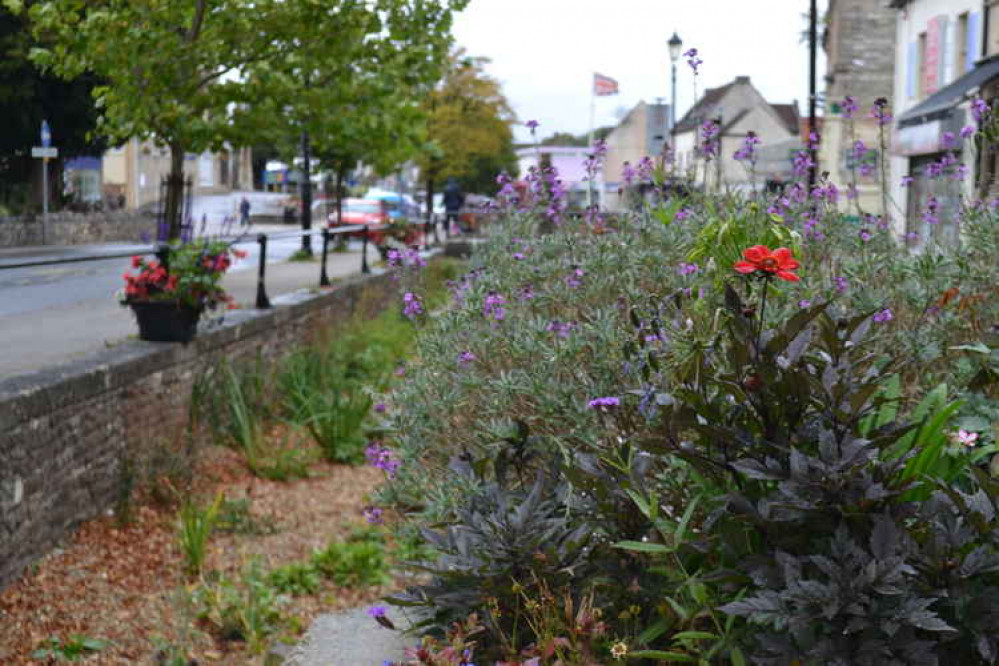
{"x": 760, "y": 258}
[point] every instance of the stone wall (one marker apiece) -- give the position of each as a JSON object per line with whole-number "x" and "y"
{"x": 68, "y": 435}
{"x": 65, "y": 228}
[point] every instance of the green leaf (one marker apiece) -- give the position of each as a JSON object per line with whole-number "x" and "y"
{"x": 694, "y": 635}
{"x": 663, "y": 656}
{"x": 644, "y": 547}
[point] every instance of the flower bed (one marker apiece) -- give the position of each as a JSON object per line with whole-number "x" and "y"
{"x": 650, "y": 437}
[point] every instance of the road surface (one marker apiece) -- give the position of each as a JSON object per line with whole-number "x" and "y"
{"x": 53, "y": 314}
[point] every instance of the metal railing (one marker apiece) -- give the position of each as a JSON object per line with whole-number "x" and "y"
{"x": 162, "y": 251}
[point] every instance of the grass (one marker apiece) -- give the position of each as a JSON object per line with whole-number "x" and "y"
{"x": 195, "y": 527}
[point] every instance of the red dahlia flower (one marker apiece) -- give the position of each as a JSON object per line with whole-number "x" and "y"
{"x": 760, "y": 258}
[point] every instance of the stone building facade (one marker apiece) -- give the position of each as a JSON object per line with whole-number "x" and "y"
{"x": 859, "y": 42}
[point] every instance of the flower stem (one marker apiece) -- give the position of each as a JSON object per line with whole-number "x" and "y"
{"x": 763, "y": 309}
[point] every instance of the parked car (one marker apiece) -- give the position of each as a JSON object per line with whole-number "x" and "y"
{"x": 377, "y": 213}
{"x": 400, "y": 206}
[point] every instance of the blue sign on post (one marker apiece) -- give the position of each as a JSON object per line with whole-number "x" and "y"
{"x": 46, "y": 134}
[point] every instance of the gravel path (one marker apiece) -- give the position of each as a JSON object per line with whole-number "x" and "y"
{"x": 348, "y": 639}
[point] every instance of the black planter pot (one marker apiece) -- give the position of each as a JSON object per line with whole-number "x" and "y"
{"x": 166, "y": 321}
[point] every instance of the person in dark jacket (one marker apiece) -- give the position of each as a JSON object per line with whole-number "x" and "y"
{"x": 453, "y": 199}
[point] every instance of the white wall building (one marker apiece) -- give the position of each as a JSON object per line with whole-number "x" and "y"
{"x": 945, "y": 57}
{"x": 740, "y": 108}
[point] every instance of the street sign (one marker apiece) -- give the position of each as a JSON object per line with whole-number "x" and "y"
{"x": 46, "y": 135}
{"x": 44, "y": 151}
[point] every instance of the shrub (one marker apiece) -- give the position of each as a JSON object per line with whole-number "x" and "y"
{"x": 247, "y": 609}
{"x": 297, "y": 579}
{"x": 357, "y": 562}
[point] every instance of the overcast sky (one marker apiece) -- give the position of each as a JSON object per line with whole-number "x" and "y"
{"x": 545, "y": 52}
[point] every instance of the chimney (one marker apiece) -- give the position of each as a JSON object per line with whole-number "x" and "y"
{"x": 742, "y": 79}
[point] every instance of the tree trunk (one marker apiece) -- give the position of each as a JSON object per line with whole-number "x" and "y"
{"x": 306, "y": 195}
{"x": 172, "y": 207}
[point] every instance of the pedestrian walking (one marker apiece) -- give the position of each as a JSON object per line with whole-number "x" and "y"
{"x": 244, "y": 212}
{"x": 453, "y": 200}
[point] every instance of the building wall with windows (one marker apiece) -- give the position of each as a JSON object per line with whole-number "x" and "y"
{"x": 939, "y": 44}
{"x": 133, "y": 172}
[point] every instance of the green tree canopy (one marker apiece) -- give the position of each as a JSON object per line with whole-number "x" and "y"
{"x": 28, "y": 96}
{"x": 469, "y": 128}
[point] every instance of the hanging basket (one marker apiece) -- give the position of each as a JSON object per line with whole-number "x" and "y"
{"x": 166, "y": 321}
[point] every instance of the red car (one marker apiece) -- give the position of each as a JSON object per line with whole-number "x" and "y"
{"x": 372, "y": 213}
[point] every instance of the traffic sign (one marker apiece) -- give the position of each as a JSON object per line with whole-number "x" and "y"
{"x": 46, "y": 135}
{"x": 44, "y": 151}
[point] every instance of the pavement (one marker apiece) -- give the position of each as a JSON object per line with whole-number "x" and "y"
{"x": 350, "y": 638}
{"x": 54, "y": 314}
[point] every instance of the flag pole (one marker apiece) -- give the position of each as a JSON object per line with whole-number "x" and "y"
{"x": 589, "y": 143}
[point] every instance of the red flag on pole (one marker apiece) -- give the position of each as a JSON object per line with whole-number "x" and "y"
{"x": 604, "y": 85}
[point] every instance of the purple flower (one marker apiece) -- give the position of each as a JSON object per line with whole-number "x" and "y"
{"x": 519, "y": 256}
{"x": 532, "y": 125}
{"x": 413, "y": 308}
{"x": 979, "y": 109}
{"x": 931, "y": 214}
{"x": 526, "y": 293}
{"x": 709, "y": 139}
{"x": 804, "y": 303}
{"x": 492, "y": 306}
{"x": 466, "y": 357}
{"x": 628, "y": 173}
{"x": 907, "y": 180}
{"x": 688, "y": 269}
{"x": 380, "y": 408}
{"x": 401, "y": 370}
{"x": 373, "y": 515}
{"x": 383, "y": 458}
{"x": 747, "y": 152}
{"x": 411, "y": 257}
{"x": 912, "y": 236}
{"x": 841, "y": 283}
{"x": 604, "y": 404}
{"x": 865, "y": 235}
{"x": 849, "y": 107}
{"x": 883, "y": 316}
{"x": 394, "y": 258}
{"x": 645, "y": 168}
{"x": 561, "y": 329}
{"x": 683, "y": 214}
{"x": 968, "y": 131}
{"x": 881, "y": 112}
{"x": 802, "y": 163}
{"x": 692, "y": 60}
{"x": 378, "y": 613}
{"x": 575, "y": 279}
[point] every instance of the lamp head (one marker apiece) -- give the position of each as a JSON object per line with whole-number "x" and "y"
{"x": 675, "y": 46}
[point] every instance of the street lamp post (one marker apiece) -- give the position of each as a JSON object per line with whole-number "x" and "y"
{"x": 675, "y": 46}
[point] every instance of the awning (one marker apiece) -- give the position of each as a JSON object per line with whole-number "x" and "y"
{"x": 939, "y": 104}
